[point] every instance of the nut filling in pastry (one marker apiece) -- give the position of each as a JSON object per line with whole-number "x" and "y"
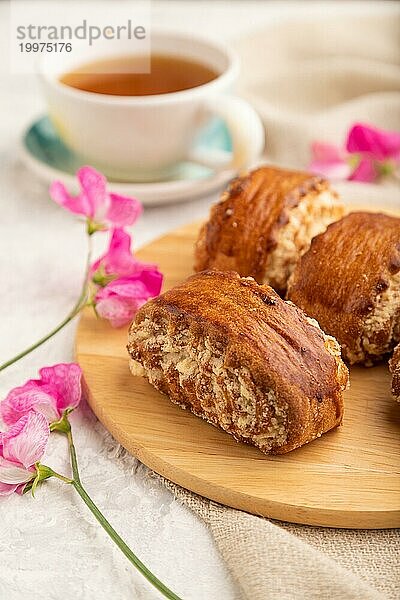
{"x": 349, "y": 280}
{"x": 394, "y": 365}
{"x": 264, "y": 222}
{"x": 240, "y": 357}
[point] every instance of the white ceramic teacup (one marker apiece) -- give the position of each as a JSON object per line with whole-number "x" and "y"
{"x": 144, "y": 138}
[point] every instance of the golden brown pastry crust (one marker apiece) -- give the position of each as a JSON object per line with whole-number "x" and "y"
{"x": 394, "y": 365}
{"x": 280, "y": 353}
{"x": 348, "y": 280}
{"x": 243, "y": 228}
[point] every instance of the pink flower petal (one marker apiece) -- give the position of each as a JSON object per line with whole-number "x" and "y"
{"x": 13, "y": 474}
{"x": 152, "y": 279}
{"x": 20, "y": 489}
{"x": 120, "y": 243}
{"x": 145, "y": 284}
{"x": 123, "y": 211}
{"x": 118, "y": 261}
{"x": 58, "y": 388}
{"x": 95, "y": 202}
{"x": 129, "y": 288}
{"x": 326, "y": 153}
{"x": 93, "y": 186}
{"x": 330, "y": 169}
{"x": 26, "y": 440}
{"x": 119, "y": 300}
{"x": 380, "y": 144}
{"x": 21, "y": 400}
{"x": 65, "y": 379}
{"x": 75, "y": 204}
{"x": 14, "y": 429}
{"x": 365, "y": 171}
{"x": 6, "y": 489}
{"x": 118, "y": 311}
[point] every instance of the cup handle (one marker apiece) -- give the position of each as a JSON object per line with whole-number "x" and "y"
{"x": 246, "y": 130}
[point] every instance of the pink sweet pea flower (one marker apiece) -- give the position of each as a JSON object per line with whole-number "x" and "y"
{"x": 378, "y": 143}
{"x": 328, "y": 160}
{"x": 369, "y": 153}
{"x": 58, "y": 389}
{"x": 119, "y": 300}
{"x": 118, "y": 261}
{"x": 102, "y": 209}
{"x": 124, "y": 282}
{"x": 21, "y": 447}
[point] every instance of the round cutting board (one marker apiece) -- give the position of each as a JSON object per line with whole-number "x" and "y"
{"x": 347, "y": 478}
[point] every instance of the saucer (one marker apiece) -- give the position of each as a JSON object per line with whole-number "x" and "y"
{"x": 46, "y": 155}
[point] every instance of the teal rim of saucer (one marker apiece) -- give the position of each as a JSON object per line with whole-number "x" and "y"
{"x": 43, "y": 143}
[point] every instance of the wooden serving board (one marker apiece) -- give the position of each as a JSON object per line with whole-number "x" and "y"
{"x": 347, "y": 478}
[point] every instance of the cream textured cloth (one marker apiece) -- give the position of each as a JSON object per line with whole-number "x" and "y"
{"x": 269, "y": 563}
{"x": 312, "y": 80}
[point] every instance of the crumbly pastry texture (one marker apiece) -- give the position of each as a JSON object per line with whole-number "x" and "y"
{"x": 394, "y": 365}
{"x": 264, "y": 222}
{"x": 237, "y": 355}
{"x": 349, "y": 280}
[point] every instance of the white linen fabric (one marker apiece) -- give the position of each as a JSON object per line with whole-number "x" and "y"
{"x": 51, "y": 547}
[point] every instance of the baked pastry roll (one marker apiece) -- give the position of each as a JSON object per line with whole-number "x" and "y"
{"x": 349, "y": 280}
{"x": 264, "y": 222}
{"x": 237, "y": 355}
{"x": 394, "y": 366}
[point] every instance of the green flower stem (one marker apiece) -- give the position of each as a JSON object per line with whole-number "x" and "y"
{"x": 74, "y": 460}
{"x": 43, "y": 472}
{"x": 44, "y": 339}
{"x": 81, "y": 302}
{"x": 110, "y": 530}
{"x": 64, "y": 479}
